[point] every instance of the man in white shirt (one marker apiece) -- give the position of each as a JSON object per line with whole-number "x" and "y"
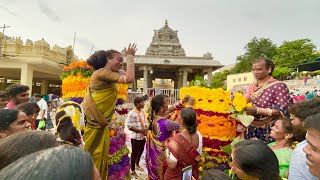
{"x": 312, "y": 150}
{"x": 137, "y": 123}
{"x": 43, "y": 110}
{"x": 298, "y": 169}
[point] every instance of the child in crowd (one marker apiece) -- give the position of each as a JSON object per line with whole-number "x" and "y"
{"x": 3, "y": 99}
{"x": 32, "y": 110}
{"x": 282, "y": 147}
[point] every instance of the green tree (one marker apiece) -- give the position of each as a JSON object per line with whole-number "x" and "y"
{"x": 281, "y": 72}
{"x": 219, "y": 78}
{"x": 292, "y": 53}
{"x": 254, "y": 49}
{"x": 199, "y": 81}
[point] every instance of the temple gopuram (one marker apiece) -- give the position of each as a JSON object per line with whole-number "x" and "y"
{"x": 165, "y": 59}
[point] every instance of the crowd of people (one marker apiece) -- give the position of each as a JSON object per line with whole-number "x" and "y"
{"x": 281, "y": 142}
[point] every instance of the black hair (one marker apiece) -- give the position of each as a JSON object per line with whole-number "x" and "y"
{"x": 62, "y": 162}
{"x": 37, "y": 95}
{"x": 189, "y": 118}
{"x": 100, "y": 58}
{"x": 269, "y": 63}
{"x": 3, "y": 94}
{"x": 213, "y": 174}
{"x": 256, "y": 159}
{"x": 313, "y": 122}
{"x": 15, "y": 89}
{"x": 7, "y": 117}
{"x": 157, "y": 103}
{"x": 138, "y": 100}
{"x": 24, "y": 143}
{"x": 29, "y": 108}
{"x": 304, "y": 109}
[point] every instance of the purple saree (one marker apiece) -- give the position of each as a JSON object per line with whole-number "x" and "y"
{"x": 274, "y": 95}
{"x": 155, "y": 148}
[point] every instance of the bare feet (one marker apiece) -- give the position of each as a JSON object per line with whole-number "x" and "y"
{"x": 135, "y": 175}
{"x": 139, "y": 168}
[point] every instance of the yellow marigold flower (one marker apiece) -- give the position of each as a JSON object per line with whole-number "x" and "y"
{"x": 111, "y": 133}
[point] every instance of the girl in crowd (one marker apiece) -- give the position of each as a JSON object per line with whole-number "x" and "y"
{"x": 185, "y": 147}
{"x": 100, "y": 100}
{"x": 24, "y": 143}
{"x": 32, "y": 110}
{"x": 282, "y": 147}
{"x": 253, "y": 159}
{"x": 13, "y": 121}
{"x": 49, "y": 123}
{"x": 160, "y": 130}
{"x": 70, "y": 122}
{"x": 63, "y": 162}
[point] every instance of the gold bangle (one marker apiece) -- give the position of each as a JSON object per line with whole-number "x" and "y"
{"x": 269, "y": 111}
{"x": 258, "y": 110}
{"x": 130, "y": 62}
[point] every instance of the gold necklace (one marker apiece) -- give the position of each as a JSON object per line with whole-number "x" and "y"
{"x": 263, "y": 83}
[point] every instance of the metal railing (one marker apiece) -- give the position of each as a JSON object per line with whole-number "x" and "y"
{"x": 172, "y": 93}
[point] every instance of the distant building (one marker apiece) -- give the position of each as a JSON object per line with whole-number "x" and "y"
{"x": 34, "y": 64}
{"x": 166, "y": 65}
{"x": 240, "y": 81}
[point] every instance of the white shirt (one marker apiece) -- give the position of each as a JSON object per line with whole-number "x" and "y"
{"x": 134, "y": 121}
{"x": 298, "y": 169}
{"x": 43, "y": 108}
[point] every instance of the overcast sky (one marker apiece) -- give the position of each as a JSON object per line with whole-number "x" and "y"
{"x": 221, "y": 27}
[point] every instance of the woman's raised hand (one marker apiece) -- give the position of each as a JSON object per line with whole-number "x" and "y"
{"x": 185, "y": 99}
{"x": 131, "y": 50}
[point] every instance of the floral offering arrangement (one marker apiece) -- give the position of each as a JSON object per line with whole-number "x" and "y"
{"x": 119, "y": 161}
{"x": 217, "y": 127}
{"x": 75, "y": 79}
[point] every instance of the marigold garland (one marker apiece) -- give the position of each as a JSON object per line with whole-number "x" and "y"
{"x": 215, "y": 100}
{"x": 123, "y": 90}
{"x": 117, "y": 156}
{"x": 213, "y": 108}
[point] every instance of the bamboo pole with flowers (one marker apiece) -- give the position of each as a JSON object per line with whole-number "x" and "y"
{"x": 75, "y": 78}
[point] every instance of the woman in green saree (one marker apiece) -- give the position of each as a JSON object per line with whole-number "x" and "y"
{"x": 100, "y": 99}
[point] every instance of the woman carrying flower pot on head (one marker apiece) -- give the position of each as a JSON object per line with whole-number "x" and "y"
{"x": 100, "y": 100}
{"x": 270, "y": 99}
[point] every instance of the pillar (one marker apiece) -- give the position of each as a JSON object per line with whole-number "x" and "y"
{"x": 180, "y": 80}
{"x": 209, "y": 74}
{"x": 176, "y": 81}
{"x": 135, "y": 84}
{"x": 44, "y": 87}
{"x": 145, "y": 80}
{"x": 146, "y": 77}
{"x": 26, "y": 76}
{"x": 185, "y": 72}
